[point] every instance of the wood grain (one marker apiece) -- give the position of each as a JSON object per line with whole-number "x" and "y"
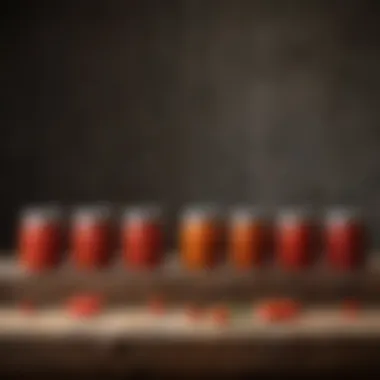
{"x": 120, "y": 355}
{"x": 120, "y": 286}
{"x": 156, "y": 356}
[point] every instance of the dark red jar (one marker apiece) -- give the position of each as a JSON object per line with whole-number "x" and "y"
{"x": 91, "y": 237}
{"x": 39, "y": 238}
{"x": 142, "y": 237}
{"x": 344, "y": 239}
{"x": 295, "y": 243}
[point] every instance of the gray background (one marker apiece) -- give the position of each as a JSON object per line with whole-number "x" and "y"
{"x": 271, "y": 102}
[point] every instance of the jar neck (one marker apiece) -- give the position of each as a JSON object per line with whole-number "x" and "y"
{"x": 342, "y": 217}
{"x": 142, "y": 215}
{"x": 38, "y": 217}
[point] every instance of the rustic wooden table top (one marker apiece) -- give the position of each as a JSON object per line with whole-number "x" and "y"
{"x": 296, "y": 348}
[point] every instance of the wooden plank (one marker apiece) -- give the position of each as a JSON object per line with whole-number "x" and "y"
{"x": 132, "y": 356}
{"x": 316, "y": 285}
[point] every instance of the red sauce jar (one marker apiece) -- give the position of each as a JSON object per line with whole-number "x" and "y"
{"x": 199, "y": 238}
{"x": 91, "y": 237}
{"x": 142, "y": 237}
{"x": 247, "y": 238}
{"x": 39, "y": 238}
{"x": 294, "y": 239}
{"x": 344, "y": 239}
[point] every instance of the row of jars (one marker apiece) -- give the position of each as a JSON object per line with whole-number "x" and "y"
{"x": 246, "y": 238}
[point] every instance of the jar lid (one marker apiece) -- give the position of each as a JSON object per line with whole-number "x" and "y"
{"x": 146, "y": 212}
{"x": 342, "y": 214}
{"x": 47, "y": 213}
{"x": 201, "y": 211}
{"x": 246, "y": 213}
{"x": 91, "y": 213}
{"x": 291, "y": 215}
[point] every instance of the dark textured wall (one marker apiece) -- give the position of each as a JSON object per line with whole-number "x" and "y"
{"x": 264, "y": 101}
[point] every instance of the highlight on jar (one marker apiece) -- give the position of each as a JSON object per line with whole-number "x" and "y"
{"x": 345, "y": 238}
{"x": 39, "y": 238}
{"x": 200, "y": 237}
{"x": 90, "y": 237}
{"x": 142, "y": 237}
{"x": 248, "y": 240}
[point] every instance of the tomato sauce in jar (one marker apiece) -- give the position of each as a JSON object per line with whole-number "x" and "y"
{"x": 344, "y": 239}
{"x": 91, "y": 237}
{"x": 142, "y": 238}
{"x": 247, "y": 238}
{"x": 295, "y": 242}
{"x": 40, "y": 238}
{"x": 199, "y": 237}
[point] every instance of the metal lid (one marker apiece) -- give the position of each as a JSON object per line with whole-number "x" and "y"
{"x": 292, "y": 215}
{"x": 41, "y": 214}
{"x": 201, "y": 211}
{"x": 142, "y": 213}
{"x": 246, "y": 213}
{"x": 342, "y": 214}
{"x": 91, "y": 213}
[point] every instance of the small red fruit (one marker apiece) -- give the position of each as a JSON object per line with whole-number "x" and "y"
{"x": 350, "y": 308}
{"x": 27, "y": 307}
{"x": 156, "y": 305}
{"x": 279, "y": 310}
{"x": 193, "y": 312}
{"x": 84, "y": 306}
{"x": 220, "y": 315}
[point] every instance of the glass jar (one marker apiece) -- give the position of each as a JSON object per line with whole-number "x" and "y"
{"x": 91, "y": 237}
{"x": 40, "y": 238}
{"x": 142, "y": 237}
{"x": 199, "y": 237}
{"x": 247, "y": 238}
{"x": 344, "y": 239}
{"x": 295, "y": 244}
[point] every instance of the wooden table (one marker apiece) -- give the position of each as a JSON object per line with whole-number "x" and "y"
{"x": 298, "y": 347}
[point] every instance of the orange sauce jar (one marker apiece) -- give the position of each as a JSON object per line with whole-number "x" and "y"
{"x": 91, "y": 237}
{"x": 199, "y": 237}
{"x": 247, "y": 238}
{"x": 40, "y": 238}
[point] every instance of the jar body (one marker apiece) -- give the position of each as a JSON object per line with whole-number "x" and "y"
{"x": 91, "y": 239}
{"x": 199, "y": 241}
{"x": 142, "y": 237}
{"x": 247, "y": 242}
{"x": 39, "y": 240}
{"x": 142, "y": 242}
{"x": 345, "y": 243}
{"x": 295, "y": 242}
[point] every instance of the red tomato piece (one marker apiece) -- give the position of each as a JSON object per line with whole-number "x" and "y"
{"x": 289, "y": 308}
{"x": 220, "y": 315}
{"x": 27, "y": 307}
{"x": 193, "y": 312}
{"x": 268, "y": 311}
{"x": 156, "y": 305}
{"x": 279, "y": 310}
{"x": 351, "y": 308}
{"x": 85, "y": 305}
